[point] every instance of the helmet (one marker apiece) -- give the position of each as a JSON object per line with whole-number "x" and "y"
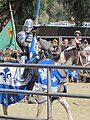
{"x": 77, "y": 31}
{"x": 28, "y": 25}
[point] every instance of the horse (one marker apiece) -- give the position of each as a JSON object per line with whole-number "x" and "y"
{"x": 70, "y": 58}
{"x": 62, "y": 100}
{"x": 60, "y": 88}
{"x": 75, "y": 56}
{"x": 38, "y": 87}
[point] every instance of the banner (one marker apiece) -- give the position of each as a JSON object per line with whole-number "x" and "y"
{"x": 7, "y": 36}
{"x": 32, "y": 49}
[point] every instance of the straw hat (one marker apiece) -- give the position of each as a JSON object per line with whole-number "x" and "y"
{"x": 55, "y": 40}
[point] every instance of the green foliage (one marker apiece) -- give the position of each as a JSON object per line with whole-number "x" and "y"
{"x": 51, "y": 10}
{"x": 22, "y": 9}
{"x": 78, "y": 9}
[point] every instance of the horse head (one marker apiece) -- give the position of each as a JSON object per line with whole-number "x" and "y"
{"x": 73, "y": 55}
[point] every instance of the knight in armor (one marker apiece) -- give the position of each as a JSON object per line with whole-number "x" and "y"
{"x": 22, "y": 36}
{"x": 28, "y": 43}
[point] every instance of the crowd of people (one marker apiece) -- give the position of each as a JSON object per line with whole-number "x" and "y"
{"x": 31, "y": 50}
{"x": 85, "y": 47}
{"x": 72, "y": 41}
{"x": 31, "y": 47}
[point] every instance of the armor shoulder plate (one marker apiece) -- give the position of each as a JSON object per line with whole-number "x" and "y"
{"x": 21, "y": 37}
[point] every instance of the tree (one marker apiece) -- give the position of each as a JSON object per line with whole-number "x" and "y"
{"x": 22, "y": 9}
{"x": 77, "y": 9}
{"x": 51, "y": 10}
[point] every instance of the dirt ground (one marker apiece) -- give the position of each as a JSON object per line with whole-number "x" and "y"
{"x": 80, "y": 108}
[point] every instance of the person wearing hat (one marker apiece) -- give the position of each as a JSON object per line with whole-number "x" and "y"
{"x": 55, "y": 50}
{"x": 54, "y": 46}
{"x": 54, "y": 41}
{"x": 78, "y": 34}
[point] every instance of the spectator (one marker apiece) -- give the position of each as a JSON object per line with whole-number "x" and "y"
{"x": 54, "y": 45}
{"x": 55, "y": 50}
{"x": 78, "y": 34}
{"x": 86, "y": 48}
{"x": 41, "y": 52}
{"x": 73, "y": 42}
{"x": 65, "y": 42}
{"x": 77, "y": 40}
